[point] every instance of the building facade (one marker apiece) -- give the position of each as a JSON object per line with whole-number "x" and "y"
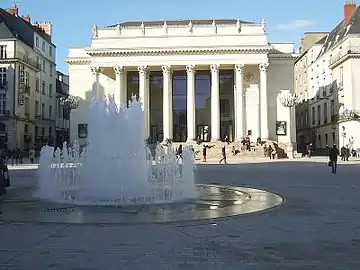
{"x": 197, "y": 79}
{"x": 62, "y": 113}
{"x": 332, "y": 99}
{"x": 27, "y": 79}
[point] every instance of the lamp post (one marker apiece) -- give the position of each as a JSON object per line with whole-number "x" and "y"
{"x": 289, "y": 100}
{"x": 69, "y": 103}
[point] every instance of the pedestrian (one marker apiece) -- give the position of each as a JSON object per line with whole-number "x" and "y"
{"x": 32, "y": 155}
{"x": 204, "y": 152}
{"x": 223, "y": 152}
{"x": 333, "y": 155}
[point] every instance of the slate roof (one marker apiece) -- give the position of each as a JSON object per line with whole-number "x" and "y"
{"x": 341, "y": 31}
{"x": 179, "y": 22}
{"x": 16, "y": 27}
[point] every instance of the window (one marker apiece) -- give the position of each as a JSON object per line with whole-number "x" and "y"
{"x": 43, "y": 87}
{"x": 42, "y": 131}
{"x": 341, "y": 75}
{"x": 3, "y": 104}
{"x": 50, "y": 51}
{"x": 37, "y": 84}
{"x": 26, "y": 128}
{"x": 36, "y": 132}
{"x": 50, "y": 90}
{"x": 325, "y": 113}
{"x": 334, "y": 138}
{"x": 37, "y": 42}
{"x": 224, "y": 107}
{"x": 37, "y": 113}
{"x": 313, "y": 115}
{"x": 50, "y": 131}
{"x": 43, "y": 46}
{"x": 3, "y": 75}
{"x": 332, "y": 107}
{"x": 50, "y": 111}
{"x": 51, "y": 70}
{"x": 43, "y": 110}
{"x": 27, "y": 105}
{"x": 3, "y": 54}
{"x": 44, "y": 66}
{"x": 319, "y": 114}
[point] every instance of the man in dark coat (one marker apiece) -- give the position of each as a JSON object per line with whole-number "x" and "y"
{"x": 333, "y": 155}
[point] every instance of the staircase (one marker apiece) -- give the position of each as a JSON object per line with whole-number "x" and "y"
{"x": 257, "y": 151}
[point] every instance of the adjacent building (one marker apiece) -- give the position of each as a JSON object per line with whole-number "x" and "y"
{"x": 198, "y": 79}
{"x": 331, "y": 95}
{"x": 27, "y": 81}
{"x": 61, "y": 111}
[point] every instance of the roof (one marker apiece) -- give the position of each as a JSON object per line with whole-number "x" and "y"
{"x": 16, "y": 27}
{"x": 342, "y": 30}
{"x": 179, "y": 22}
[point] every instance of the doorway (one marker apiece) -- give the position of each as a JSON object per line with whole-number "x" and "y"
{"x": 226, "y": 129}
{"x": 202, "y": 133}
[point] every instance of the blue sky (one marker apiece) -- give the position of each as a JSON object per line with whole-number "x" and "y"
{"x": 72, "y": 19}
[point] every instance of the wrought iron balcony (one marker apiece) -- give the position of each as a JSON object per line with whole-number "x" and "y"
{"x": 3, "y": 84}
{"x": 346, "y": 116}
{"x": 23, "y": 58}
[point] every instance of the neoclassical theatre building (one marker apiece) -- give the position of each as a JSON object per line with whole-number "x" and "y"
{"x": 202, "y": 79}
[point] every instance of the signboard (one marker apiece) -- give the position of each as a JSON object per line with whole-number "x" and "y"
{"x": 21, "y": 96}
{"x": 82, "y": 131}
{"x": 281, "y": 128}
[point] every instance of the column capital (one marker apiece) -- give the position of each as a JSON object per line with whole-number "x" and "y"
{"x": 143, "y": 70}
{"x": 239, "y": 68}
{"x": 166, "y": 69}
{"x": 214, "y": 68}
{"x": 118, "y": 70}
{"x": 190, "y": 69}
{"x": 264, "y": 67}
{"x": 95, "y": 70}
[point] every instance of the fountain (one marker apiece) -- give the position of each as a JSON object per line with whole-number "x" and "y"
{"x": 116, "y": 167}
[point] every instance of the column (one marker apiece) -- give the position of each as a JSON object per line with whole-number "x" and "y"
{"x": 239, "y": 102}
{"x": 190, "y": 104}
{"x": 120, "y": 92}
{"x": 144, "y": 97}
{"x": 264, "y": 126}
{"x": 167, "y": 102}
{"x": 215, "y": 103}
{"x": 96, "y": 82}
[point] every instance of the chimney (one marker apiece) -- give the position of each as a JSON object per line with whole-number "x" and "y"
{"x": 26, "y": 18}
{"x": 13, "y": 10}
{"x": 349, "y": 8}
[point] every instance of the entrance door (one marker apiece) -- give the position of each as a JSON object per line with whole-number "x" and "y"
{"x": 226, "y": 130}
{"x": 203, "y": 133}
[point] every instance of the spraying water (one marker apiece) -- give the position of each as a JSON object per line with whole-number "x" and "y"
{"x": 116, "y": 167}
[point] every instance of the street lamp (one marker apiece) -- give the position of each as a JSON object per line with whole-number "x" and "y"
{"x": 289, "y": 99}
{"x": 69, "y": 103}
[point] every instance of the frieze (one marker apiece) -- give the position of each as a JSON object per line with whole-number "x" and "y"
{"x": 178, "y": 52}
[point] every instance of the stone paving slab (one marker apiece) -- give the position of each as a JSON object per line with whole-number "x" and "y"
{"x": 317, "y": 227}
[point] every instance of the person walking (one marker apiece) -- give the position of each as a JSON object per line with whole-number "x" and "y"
{"x": 204, "y": 150}
{"x": 333, "y": 155}
{"x": 4, "y": 181}
{"x": 223, "y": 152}
{"x": 32, "y": 155}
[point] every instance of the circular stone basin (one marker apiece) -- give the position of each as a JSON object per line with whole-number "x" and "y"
{"x": 215, "y": 201}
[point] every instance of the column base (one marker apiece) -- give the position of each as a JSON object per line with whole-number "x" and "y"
{"x": 215, "y": 140}
{"x": 190, "y": 141}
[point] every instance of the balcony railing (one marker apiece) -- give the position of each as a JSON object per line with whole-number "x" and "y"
{"x": 3, "y": 84}
{"x": 26, "y": 59}
{"x": 4, "y": 112}
{"x": 345, "y": 51}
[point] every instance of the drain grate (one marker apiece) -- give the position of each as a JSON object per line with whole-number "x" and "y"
{"x": 58, "y": 210}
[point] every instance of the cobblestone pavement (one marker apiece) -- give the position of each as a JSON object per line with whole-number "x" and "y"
{"x": 318, "y": 227}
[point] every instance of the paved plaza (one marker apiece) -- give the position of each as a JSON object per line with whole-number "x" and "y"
{"x": 317, "y": 227}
